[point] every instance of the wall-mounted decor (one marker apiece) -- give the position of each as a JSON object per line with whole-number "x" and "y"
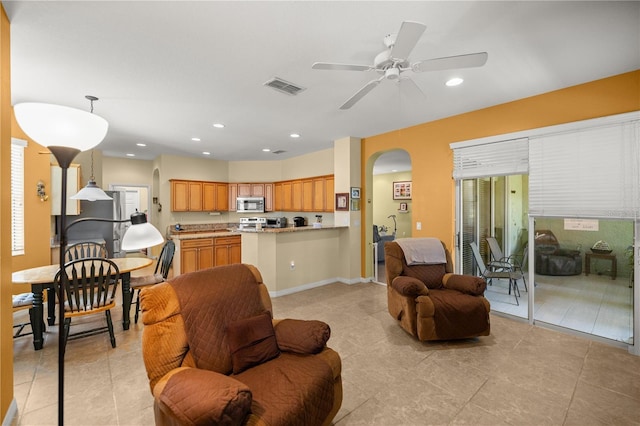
{"x": 402, "y": 190}
{"x": 342, "y": 201}
{"x": 403, "y": 207}
{"x": 355, "y": 193}
{"x": 355, "y": 205}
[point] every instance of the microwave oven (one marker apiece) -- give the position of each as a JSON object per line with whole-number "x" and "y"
{"x": 250, "y": 204}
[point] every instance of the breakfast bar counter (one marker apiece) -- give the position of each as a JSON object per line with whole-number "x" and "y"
{"x": 296, "y": 255}
{"x": 295, "y": 258}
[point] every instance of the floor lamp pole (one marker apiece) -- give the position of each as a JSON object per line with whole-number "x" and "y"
{"x": 65, "y": 156}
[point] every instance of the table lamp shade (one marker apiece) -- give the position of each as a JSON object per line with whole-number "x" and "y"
{"x": 57, "y": 125}
{"x": 140, "y": 234}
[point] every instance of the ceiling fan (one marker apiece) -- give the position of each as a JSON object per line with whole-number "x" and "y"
{"x": 393, "y": 61}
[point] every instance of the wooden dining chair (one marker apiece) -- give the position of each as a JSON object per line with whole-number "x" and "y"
{"x": 159, "y": 274}
{"x": 90, "y": 289}
{"x": 85, "y": 249}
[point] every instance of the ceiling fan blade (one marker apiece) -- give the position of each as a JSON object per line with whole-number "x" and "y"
{"x": 340, "y": 67}
{"x": 361, "y": 93}
{"x": 410, "y": 90}
{"x": 407, "y": 38}
{"x": 451, "y": 62}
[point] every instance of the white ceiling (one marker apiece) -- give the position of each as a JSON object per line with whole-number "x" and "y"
{"x": 166, "y": 71}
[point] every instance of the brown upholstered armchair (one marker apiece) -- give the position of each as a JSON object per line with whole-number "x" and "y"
{"x": 428, "y": 300}
{"x": 214, "y": 355}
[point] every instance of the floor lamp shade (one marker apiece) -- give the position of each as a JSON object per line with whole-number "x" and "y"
{"x": 57, "y": 125}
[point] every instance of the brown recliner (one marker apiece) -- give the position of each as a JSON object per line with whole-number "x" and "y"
{"x": 214, "y": 355}
{"x": 432, "y": 303}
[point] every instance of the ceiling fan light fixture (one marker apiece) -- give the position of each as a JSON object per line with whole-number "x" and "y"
{"x": 392, "y": 73}
{"x": 456, "y": 81}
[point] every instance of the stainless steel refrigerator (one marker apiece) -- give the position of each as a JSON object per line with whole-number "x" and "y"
{"x": 111, "y": 233}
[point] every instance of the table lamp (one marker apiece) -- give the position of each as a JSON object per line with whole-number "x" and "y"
{"x": 66, "y": 132}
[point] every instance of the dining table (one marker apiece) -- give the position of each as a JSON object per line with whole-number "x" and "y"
{"x": 42, "y": 278}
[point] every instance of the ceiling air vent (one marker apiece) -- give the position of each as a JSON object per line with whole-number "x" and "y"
{"x": 278, "y": 151}
{"x": 284, "y": 86}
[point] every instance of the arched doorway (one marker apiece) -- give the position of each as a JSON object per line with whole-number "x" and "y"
{"x": 390, "y": 214}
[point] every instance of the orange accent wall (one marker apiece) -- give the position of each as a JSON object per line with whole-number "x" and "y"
{"x": 37, "y": 214}
{"x": 6, "y": 317}
{"x": 432, "y": 160}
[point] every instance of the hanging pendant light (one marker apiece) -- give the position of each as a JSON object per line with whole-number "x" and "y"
{"x": 92, "y": 191}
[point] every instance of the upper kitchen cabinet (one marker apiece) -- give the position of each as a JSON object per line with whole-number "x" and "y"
{"x": 251, "y": 190}
{"x": 215, "y": 196}
{"x": 308, "y": 195}
{"x": 198, "y": 196}
{"x": 73, "y": 186}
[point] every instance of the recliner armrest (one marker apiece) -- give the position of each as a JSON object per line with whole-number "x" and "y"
{"x": 409, "y": 286}
{"x": 468, "y": 284}
{"x": 301, "y": 336}
{"x": 196, "y": 396}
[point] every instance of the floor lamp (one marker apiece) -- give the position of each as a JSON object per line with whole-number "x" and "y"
{"x": 66, "y": 132}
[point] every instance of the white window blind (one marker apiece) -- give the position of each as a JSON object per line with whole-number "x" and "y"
{"x": 586, "y": 173}
{"x": 17, "y": 196}
{"x": 502, "y": 158}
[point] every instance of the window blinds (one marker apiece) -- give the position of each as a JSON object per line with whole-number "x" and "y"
{"x": 510, "y": 157}
{"x": 590, "y": 172}
{"x": 17, "y": 196}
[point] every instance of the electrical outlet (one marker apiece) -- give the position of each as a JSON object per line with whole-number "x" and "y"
{"x": 418, "y": 226}
{"x": 292, "y": 266}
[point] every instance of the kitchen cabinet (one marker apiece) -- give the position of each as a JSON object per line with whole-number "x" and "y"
{"x": 318, "y": 196}
{"x": 287, "y": 201}
{"x": 73, "y": 186}
{"x": 251, "y": 190}
{"x": 228, "y": 250}
{"x": 254, "y": 190}
{"x": 307, "y": 195}
{"x": 329, "y": 194}
{"x": 196, "y": 254}
{"x": 278, "y": 204}
{"x": 198, "y": 196}
{"x": 233, "y": 194}
{"x": 215, "y": 196}
{"x": 268, "y": 197}
{"x": 296, "y": 195}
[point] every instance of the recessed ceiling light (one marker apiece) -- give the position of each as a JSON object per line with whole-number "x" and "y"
{"x": 195, "y": 139}
{"x": 218, "y": 125}
{"x": 141, "y": 144}
{"x": 394, "y": 170}
{"x": 206, "y": 152}
{"x": 454, "y": 82}
{"x": 130, "y": 155}
{"x": 294, "y": 135}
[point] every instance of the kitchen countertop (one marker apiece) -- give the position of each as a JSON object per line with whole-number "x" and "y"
{"x": 210, "y": 233}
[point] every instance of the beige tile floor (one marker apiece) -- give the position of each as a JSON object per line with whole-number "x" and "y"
{"x": 520, "y": 375}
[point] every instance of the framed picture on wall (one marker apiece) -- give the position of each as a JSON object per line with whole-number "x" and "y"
{"x": 355, "y": 193}
{"x": 403, "y": 207}
{"x": 355, "y": 205}
{"x": 402, "y": 190}
{"x": 342, "y": 201}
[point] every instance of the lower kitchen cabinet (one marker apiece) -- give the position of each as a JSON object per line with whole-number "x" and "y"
{"x": 202, "y": 253}
{"x": 196, "y": 254}
{"x": 228, "y": 250}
